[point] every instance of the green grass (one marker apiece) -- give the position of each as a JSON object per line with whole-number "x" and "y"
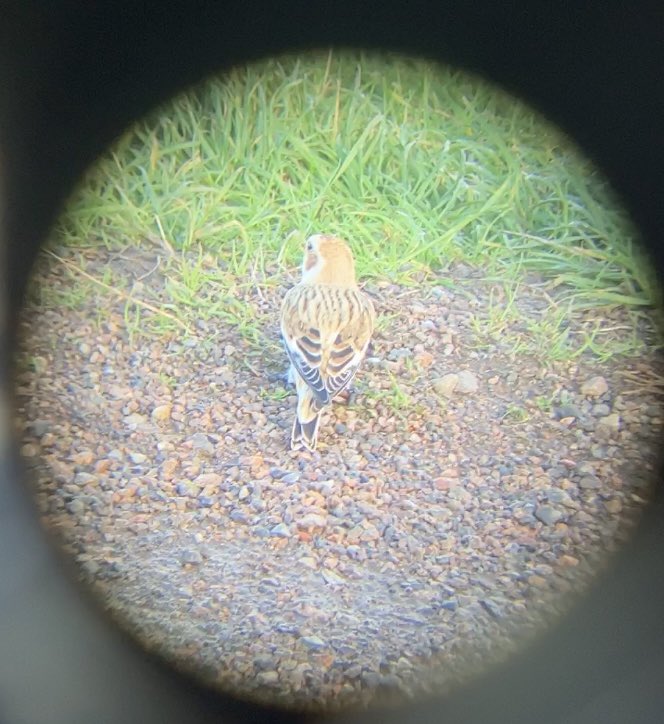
{"x": 416, "y": 165}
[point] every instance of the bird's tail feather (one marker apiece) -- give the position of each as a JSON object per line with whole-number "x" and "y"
{"x": 307, "y": 419}
{"x": 305, "y": 434}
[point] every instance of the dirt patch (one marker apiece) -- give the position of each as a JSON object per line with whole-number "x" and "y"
{"x": 459, "y": 494}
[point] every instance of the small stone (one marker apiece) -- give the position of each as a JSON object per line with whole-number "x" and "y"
{"x": 280, "y": 531}
{"x": 601, "y": 410}
{"x": 312, "y": 520}
{"x": 446, "y": 385}
{"x": 467, "y": 382}
{"x": 569, "y": 561}
{"x": 30, "y": 450}
{"x": 277, "y": 473}
{"x": 237, "y": 516}
{"x": 186, "y": 489}
{"x": 538, "y": 581}
{"x": 48, "y": 440}
{"x": 399, "y": 353}
{"x": 594, "y": 387}
{"x": 76, "y": 506}
{"x": 492, "y": 607}
{"x": 84, "y": 479}
{"x": 611, "y": 423}
{"x": 333, "y": 578}
{"x": 264, "y": 662}
{"x": 161, "y": 413}
{"x": 169, "y": 468}
{"x": 205, "y": 479}
{"x": 85, "y": 457}
{"x": 137, "y": 458}
{"x": 290, "y": 478}
{"x": 590, "y": 482}
{"x": 134, "y": 420}
{"x": 353, "y": 672}
{"x": 566, "y": 411}
{"x": 371, "y": 679}
{"x": 39, "y": 427}
{"x": 313, "y": 643}
{"x": 309, "y": 562}
{"x": 201, "y": 442}
{"x": 191, "y": 556}
{"x": 450, "y": 605}
{"x": 548, "y": 515}
{"x": 90, "y": 568}
{"x": 205, "y": 501}
{"x": 267, "y": 678}
{"x": 614, "y": 505}
{"x": 424, "y": 359}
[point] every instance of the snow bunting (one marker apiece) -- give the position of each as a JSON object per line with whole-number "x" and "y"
{"x": 326, "y": 323}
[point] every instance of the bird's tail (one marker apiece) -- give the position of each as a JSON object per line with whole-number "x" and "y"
{"x": 307, "y": 419}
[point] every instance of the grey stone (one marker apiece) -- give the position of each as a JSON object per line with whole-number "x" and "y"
{"x": 590, "y": 482}
{"x": 467, "y": 382}
{"x": 548, "y": 514}
{"x": 201, "y": 442}
{"x": 280, "y": 531}
{"x": 313, "y": 643}
{"x": 190, "y": 556}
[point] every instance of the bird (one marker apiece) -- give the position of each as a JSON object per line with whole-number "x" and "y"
{"x": 326, "y": 325}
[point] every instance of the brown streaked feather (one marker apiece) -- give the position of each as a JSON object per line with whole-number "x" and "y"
{"x": 342, "y": 318}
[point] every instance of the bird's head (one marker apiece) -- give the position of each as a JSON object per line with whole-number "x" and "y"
{"x": 328, "y": 260}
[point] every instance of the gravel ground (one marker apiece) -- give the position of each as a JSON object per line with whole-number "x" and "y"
{"x": 445, "y": 516}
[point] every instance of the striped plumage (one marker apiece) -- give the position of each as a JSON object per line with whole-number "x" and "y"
{"x": 326, "y": 323}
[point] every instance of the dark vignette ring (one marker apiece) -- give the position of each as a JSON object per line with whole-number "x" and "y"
{"x": 73, "y": 76}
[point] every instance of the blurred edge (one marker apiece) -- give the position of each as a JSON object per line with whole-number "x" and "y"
{"x": 73, "y": 74}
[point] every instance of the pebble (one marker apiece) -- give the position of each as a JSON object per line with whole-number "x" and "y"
{"x": 614, "y": 505}
{"x": 590, "y": 482}
{"x": 601, "y": 410}
{"x": 611, "y": 423}
{"x": 548, "y": 515}
{"x": 191, "y": 557}
{"x": 83, "y": 479}
{"x": 39, "y": 427}
{"x": 267, "y": 678}
{"x": 312, "y": 520}
{"x": 161, "y": 413}
{"x": 134, "y": 420}
{"x": 201, "y": 442}
{"x": 467, "y": 382}
{"x": 208, "y": 479}
{"x": 333, "y": 578}
{"x": 446, "y": 385}
{"x": 76, "y": 506}
{"x": 594, "y": 387}
{"x": 280, "y": 531}
{"x": 30, "y": 450}
{"x": 313, "y": 643}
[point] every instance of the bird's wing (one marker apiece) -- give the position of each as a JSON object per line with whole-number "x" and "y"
{"x": 326, "y": 333}
{"x": 302, "y": 340}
